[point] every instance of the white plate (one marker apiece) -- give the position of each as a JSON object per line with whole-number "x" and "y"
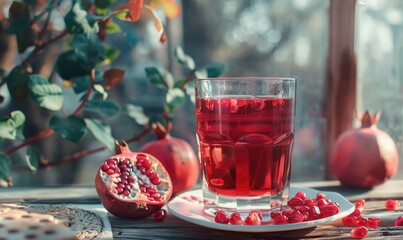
{"x": 189, "y": 207}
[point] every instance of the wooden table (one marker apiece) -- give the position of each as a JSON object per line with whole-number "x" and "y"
{"x": 174, "y": 228}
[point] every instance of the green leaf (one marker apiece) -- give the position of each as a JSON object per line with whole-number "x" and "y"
{"x": 11, "y": 128}
{"x": 101, "y": 132}
{"x": 32, "y": 157}
{"x": 215, "y": 69}
{"x": 25, "y": 38}
{"x": 175, "y": 97}
{"x": 5, "y": 163}
{"x": 78, "y": 21}
{"x": 81, "y": 84}
{"x": 45, "y": 94}
{"x": 104, "y": 108}
{"x": 20, "y": 18}
{"x": 89, "y": 50}
{"x": 68, "y": 66}
{"x": 184, "y": 59}
{"x": 71, "y": 128}
{"x": 160, "y": 77}
{"x": 17, "y": 83}
{"x": 103, "y": 3}
{"x": 136, "y": 113}
{"x": 111, "y": 55}
{"x": 3, "y": 74}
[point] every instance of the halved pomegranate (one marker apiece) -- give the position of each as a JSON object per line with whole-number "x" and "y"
{"x": 132, "y": 184}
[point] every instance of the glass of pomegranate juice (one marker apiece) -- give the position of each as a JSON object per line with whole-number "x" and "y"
{"x": 245, "y": 132}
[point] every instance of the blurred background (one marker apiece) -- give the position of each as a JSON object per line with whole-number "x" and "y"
{"x": 287, "y": 38}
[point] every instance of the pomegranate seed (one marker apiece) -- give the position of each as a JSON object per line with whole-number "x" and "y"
{"x": 356, "y": 213}
{"x": 399, "y": 221}
{"x": 373, "y": 222}
{"x": 295, "y": 202}
{"x": 123, "y": 176}
{"x": 350, "y": 221}
{"x": 150, "y": 172}
{"x": 139, "y": 163}
{"x": 151, "y": 190}
{"x": 125, "y": 182}
{"x": 111, "y": 161}
{"x": 275, "y": 213}
{"x": 392, "y": 204}
{"x": 236, "y": 219}
{"x": 156, "y": 196}
{"x": 116, "y": 170}
{"x": 308, "y": 202}
{"x": 121, "y": 185}
{"x": 257, "y": 104}
{"x": 110, "y": 172}
{"x": 320, "y": 195}
{"x": 105, "y": 167}
{"x": 321, "y": 202}
{"x": 146, "y": 164}
{"x": 359, "y": 232}
{"x": 120, "y": 190}
{"x": 130, "y": 178}
{"x": 160, "y": 215}
{"x": 303, "y": 209}
{"x": 362, "y": 221}
{"x": 280, "y": 219}
{"x": 128, "y": 187}
{"x": 295, "y": 217}
{"x": 257, "y": 213}
{"x": 330, "y": 209}
{"x": 314, "y": 213}
{"x": 287, "y": 212}
{"x": 126, "y": 193}
{"x": 360, "y": 204}
{"x": 301, "y": 195}
{"x": 252, "y": 219}
{"x": 155, "y": 180}
{"x": 221, "y": 217}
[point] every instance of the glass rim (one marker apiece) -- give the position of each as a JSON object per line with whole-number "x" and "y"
{"x": 247, "y": 78}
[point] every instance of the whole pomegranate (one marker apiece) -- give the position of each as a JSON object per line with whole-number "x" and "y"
{"x": 132, "y": 184}
{"x": 364, "y": 157}
{"x": 177, "y": 156}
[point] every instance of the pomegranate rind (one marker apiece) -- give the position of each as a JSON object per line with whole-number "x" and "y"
{"x": 364, "y": 157}
{"x": 140, "y": 206}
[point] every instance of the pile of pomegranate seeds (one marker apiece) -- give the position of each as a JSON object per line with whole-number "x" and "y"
{"x": 361, "y": 224}
{"x": 300, "y": 209}
{"x": 355, "y": 219}
{"x": 122, "y": 167}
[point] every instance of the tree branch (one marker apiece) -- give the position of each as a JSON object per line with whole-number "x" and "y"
{"x": 44, "y": 134}
{"x": 38, "y": 48}
{"x": 87, "y": 95}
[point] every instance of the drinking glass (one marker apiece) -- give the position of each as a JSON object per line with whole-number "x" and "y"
{"x": 245, "y": 132}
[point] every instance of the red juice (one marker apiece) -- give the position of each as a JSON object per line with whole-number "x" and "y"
{"x": 245, "y": 144}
